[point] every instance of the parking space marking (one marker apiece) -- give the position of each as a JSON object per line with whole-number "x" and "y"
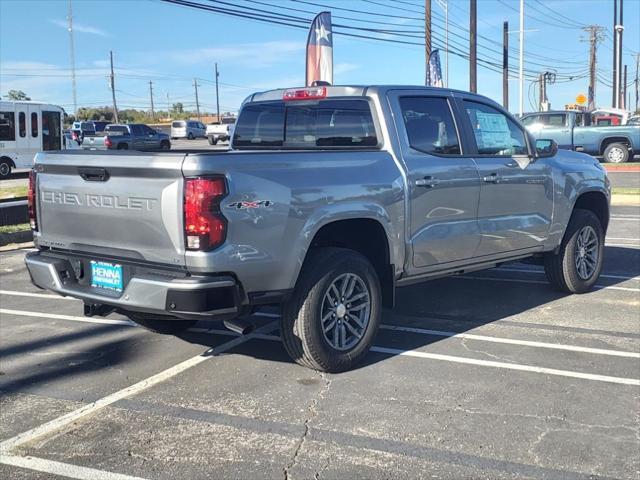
{"x": 61, "y": 422}
{"x": 527, "y": 343}
{"x": 15, "y": 293}
{"x": 55, "y": 316}
{"x": 541, "y": 282}
{"x": 508, "y": 366}
{"x": 541, "y": 271}
{"x": 63, "y": 469}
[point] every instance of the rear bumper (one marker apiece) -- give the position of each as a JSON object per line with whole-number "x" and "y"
{"x": 188, "y": 297}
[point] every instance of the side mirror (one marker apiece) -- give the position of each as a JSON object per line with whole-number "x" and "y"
{"x": 546, "y": 148}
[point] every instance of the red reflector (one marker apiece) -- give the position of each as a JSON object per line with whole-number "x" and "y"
{"x": 204, "y": 226}
{"x": 312, "y": 93}
{"x": 31, "y": 200}
{"x": 108, "y": 142}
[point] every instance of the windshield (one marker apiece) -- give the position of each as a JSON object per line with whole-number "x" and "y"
{"x": 178, "y": 124}
{"x": 341, "y": 123}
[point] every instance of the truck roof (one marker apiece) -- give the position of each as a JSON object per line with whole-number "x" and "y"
{"x": 354, "y": 90}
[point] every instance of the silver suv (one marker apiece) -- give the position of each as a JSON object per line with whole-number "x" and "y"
{"x": 190, "y": 129}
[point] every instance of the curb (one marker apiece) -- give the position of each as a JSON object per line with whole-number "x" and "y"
{"x": 621, "y": 168}
{"x": 16, "y": 237}
{"x": 625, "y": 200}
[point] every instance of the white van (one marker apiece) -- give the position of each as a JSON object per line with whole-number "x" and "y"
{"x": 27, "y": 128}
{"x": 189, "y": 129}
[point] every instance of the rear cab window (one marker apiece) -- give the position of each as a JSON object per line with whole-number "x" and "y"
{"x": 178, "y": 124}
{"x": 342, "y": 123}
{"x": 116, "y": 130}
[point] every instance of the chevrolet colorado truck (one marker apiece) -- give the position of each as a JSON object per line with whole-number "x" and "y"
{"x": 331, "y": 198}
{"x": 574, "y": 130}
{"x": 220, "y": 132}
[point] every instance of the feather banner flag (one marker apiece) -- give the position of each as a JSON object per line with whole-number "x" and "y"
{"x": 320, "y": 50}
{"x": 434, "y": 78}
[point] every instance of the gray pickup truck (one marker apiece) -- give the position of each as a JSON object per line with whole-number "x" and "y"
{"x": 130, "y": 136}
{"x": 575, "y": 131}
{"x": 331, "y": 198}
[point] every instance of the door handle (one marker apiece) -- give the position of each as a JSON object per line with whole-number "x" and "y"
{"x": 427, "y": 182}
{"x": 493, "y": 178}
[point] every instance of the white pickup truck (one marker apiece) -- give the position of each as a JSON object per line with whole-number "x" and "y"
{"x": 221, "y": 132}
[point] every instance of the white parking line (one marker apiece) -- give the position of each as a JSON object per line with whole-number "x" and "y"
{"x": 631, "y": 219}
{"x": 541, "y": 271}
{"x": 527, "y": 343}
{"x": 541, "y": 282}
{"x": 61, "y": 422}
{"x": 63, "y": 469}
{"x": 508, "y": 366}
{"x": 35, "y": 295}
{"x": 55, "y": 316}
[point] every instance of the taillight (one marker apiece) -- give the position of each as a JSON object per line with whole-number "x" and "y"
{"x": 204, "y": 226}
{"x": 74, "y": 136}
{"x": 108, "y": 142}
{"x": 31, "y": 200}
{"x": 312, "y": 93}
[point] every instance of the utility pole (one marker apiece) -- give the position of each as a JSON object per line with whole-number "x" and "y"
{"x": 541, "y": 79}
{"x": 153, "y": 113}
{"x": 445, "y": 6}
{"x": 521, "y": 62}
{"x": 596, "y": 33}
{"x": 427, "y": 39}
{"x": 473, "y": 41}
{"x": 505, "y": 65}
{"x": 614, "y": 94}
{"x": 195, "y": 84}
{"x": 620, "y": 29}
{"x": 217, "y": 95}
{"x": 72, "y": 51}
{"x": 637, "y": 79}
{"x": 623, "y": 102}
{"x": 168, "y": 107}
{"x": 113, "y": 88}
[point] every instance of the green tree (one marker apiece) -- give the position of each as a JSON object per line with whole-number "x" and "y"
{"x": 16, "y": 95}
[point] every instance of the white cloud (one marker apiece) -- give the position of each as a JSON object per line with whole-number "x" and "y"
{"x": 344, "y": 67}
{"x": 81, "y": 28}
{"x": 250, "y": 55}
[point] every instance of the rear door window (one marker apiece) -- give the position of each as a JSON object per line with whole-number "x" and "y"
{"x": 430, "y": 126}
{"x": 333, "y": 123}
{"x": 177, "y": 124}
{"x": 7, "y": 126}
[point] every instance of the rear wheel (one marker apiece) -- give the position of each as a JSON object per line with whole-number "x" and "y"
{"x": 332, "y": 318}
{"x": 212, "y": 141}
{"x": 616, "y": 153}
{"x": 190, "y": 136}
{"x": 577, "y": 265}
{"x": 165, "y": 146}
{"x": 5, "y": 168}
{"x": 159, "y": 324}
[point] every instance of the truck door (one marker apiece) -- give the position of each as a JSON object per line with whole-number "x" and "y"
{"x": 443, "y": 184}
{"x": 516, "y": 196}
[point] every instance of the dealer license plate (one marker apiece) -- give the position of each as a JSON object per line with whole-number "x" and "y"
{"x": 106, "y": 275}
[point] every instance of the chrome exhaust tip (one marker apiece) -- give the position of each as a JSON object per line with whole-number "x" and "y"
{"x": 239, "y": 326}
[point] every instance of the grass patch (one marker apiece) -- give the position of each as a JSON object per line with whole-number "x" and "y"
{"x": 12, "y": 192}
{"x": 625, "y": 191}
{"x": 15, "y": 228}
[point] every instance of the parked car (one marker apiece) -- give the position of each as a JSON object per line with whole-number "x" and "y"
{"x": 330, "y": 199}
{"x": 574, "y": 131}
{"x": 131, "y": 136}
{"x": 27, "y": 128}
{"x": 221, "y": 132}
{"x": 189, "y": 129}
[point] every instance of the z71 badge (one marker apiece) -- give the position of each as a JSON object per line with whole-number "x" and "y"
{"x": 245, "y": 205}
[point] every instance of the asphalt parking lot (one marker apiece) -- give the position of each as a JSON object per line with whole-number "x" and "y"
{"x": 492, "y": 375}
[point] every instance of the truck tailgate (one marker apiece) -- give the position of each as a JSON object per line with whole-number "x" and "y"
{"x": 118, "y": 205}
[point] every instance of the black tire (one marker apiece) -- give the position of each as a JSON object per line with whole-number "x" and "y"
{"x": 190, "y": 136}
{"x": 123, "y": 146}
{"x": 165, "y": 146}
{"x": 616, "y": 153}
{"x": 158, "y": 324}
{"x": 561, "y": 268}
{"x": 5, "y": 168}
{"x": 212, "y": 141}
{"x": 301, "y": 325}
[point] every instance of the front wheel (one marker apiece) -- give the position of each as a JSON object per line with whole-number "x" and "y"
{"x": 190, "y": 136}
{"x": 577, "y": 265}
{"x": 165, "y": 146}
{"x": 616, "y": 153}
{"x": 167, "y": 326}
{"x": 5, "y": 168}
{"x": 212, "y": 141}
{"x": 332, "y": 318}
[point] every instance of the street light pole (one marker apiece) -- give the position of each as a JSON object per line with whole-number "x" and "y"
{"x": 521, "y": 65}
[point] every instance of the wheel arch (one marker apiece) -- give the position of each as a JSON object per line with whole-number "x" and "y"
{"x": 595, "y": 201}
{"x": 614, "y": 139}
{"x": 366, "y": 236}
{"x": 11, "y": 160}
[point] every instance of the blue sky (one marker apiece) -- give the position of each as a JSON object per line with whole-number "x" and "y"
{"x": 170, "y": 45}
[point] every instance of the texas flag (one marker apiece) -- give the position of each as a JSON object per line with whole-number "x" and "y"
{"x": 320, "y": 50}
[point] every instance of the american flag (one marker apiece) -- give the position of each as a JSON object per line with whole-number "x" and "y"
{"x": 320, "y": 50}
